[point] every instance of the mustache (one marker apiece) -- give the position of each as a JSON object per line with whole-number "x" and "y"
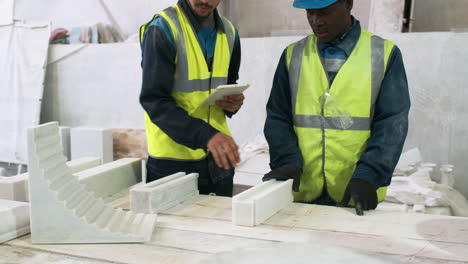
{"x": 203, "y": 5}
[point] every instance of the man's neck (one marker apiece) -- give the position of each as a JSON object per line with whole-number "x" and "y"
{"x": 207, "y": 22}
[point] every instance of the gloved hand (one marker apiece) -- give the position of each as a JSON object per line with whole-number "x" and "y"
{"x": 363, "y": 194}
{"x": 284, "y": 173}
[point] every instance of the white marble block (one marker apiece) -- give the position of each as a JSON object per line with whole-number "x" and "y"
{"x": 15, "y": 188}
{"x": 14, "y": 219}
{"x": 164, "y": 193}
{"x": 111, "y": 178}
{"x": 63, "y": 210}
{"x": 92, "y": 142}
{"x": 85, "y": 163}
{"x": 254, "y": 206}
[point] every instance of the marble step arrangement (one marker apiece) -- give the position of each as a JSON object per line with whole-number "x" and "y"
{"x": 63, "y": 210}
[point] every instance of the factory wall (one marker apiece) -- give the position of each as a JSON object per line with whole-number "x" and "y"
{"x": 130, "y": 15}
{"x": 440, "y": 15}
{"x": 98, "y": 85}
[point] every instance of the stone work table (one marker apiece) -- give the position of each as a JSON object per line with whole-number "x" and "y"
{"x": 192, "y": 232}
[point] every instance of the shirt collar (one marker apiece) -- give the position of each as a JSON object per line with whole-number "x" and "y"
{"x": 193, "y": 19}
{"x": 345, "y": 42}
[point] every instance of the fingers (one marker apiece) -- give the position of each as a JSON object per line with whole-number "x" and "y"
{"x": 217, "y": 157}
{"x": 231, "y": 103}
{"x": 344, "y": 202}
{"x": 295, "y": 186}
{"x": 358, "y": 204}
{"x": 233, "y": 152}
{"x": 236, "y": 99}
{"x": 228, "y": 106}
{"x": 230, "y": 154}
{"x": 372, "y": 204}
{"x": 224, "y": 150}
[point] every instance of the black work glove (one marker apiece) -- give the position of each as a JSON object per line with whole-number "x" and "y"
{"x": 284, "y": 173}
{"x": 363, "y": 194}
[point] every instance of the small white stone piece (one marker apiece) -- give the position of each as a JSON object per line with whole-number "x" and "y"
{"x": 164, "y": 193}
{"x": 111, "y": 178}
{"x": 419, "y": 208}
{"x": 63, "y": 210}
{"x": 92, "y": 142}
{"x": 254, "y": 206}
{"x": 14, "y": 219}
{"x": 446, "y": 175}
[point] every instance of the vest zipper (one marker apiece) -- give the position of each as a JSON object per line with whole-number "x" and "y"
{"x": 209, "y": 106}
{"x": 322, "y": 124}
{"x": 323, "y": 148}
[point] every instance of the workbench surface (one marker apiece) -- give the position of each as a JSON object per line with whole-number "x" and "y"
{"x": 194, "y": 231}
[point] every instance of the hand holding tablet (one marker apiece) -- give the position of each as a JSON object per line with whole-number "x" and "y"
{"x": 224, "y": 90}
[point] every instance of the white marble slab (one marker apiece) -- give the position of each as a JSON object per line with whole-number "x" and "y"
{"x": 164, "y": 193}
{"x": 257, "y": 204}
{"x": 111, "y": 178}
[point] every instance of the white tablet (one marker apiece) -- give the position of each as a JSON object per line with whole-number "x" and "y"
{"x": 224, "y": 90}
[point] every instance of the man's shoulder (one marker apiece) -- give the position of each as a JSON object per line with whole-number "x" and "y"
{"x": 301, "y": 41}
{"x": 158, "y": 21}
{"x": 374, "y": 35}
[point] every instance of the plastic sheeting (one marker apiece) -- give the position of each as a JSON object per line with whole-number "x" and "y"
{"x": 23, "y": 56}
{"x": 6, "y": 12}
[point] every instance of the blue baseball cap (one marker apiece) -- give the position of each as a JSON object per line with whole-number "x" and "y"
{"x": 313, "y": 4}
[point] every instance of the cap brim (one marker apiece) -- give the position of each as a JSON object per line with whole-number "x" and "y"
{"x": 312, "y": 5}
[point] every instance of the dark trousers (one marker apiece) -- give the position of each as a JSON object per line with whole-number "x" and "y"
{"x": 211, "y": 179}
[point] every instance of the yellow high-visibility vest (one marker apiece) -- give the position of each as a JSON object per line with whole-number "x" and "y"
{"x": 333, "y": 123}
{"x": 193, "y": 83}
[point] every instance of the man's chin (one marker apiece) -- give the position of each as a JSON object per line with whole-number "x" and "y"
{"x": 203, "y": 13}
{"x": 326, "y": 38}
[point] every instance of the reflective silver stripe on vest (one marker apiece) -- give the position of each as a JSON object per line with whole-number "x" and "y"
{"x": 182, "y": 64}
{"x": 295, "y": 71}
{"x": 378, "y": 69}
{"x": 358, "y": 123}
{"x": 333, "y": 65}
{"x": 188, "y": 86}
{"x": 331, "y": 122}
{"x": 217, "y": 81}
{"x": 229, "y": 34}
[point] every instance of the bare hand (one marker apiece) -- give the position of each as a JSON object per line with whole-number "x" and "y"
{"x": 231, "y": 103}
{"x": 224, "y": 150}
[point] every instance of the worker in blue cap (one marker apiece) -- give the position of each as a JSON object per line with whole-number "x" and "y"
{"x": 337, "y": 115}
